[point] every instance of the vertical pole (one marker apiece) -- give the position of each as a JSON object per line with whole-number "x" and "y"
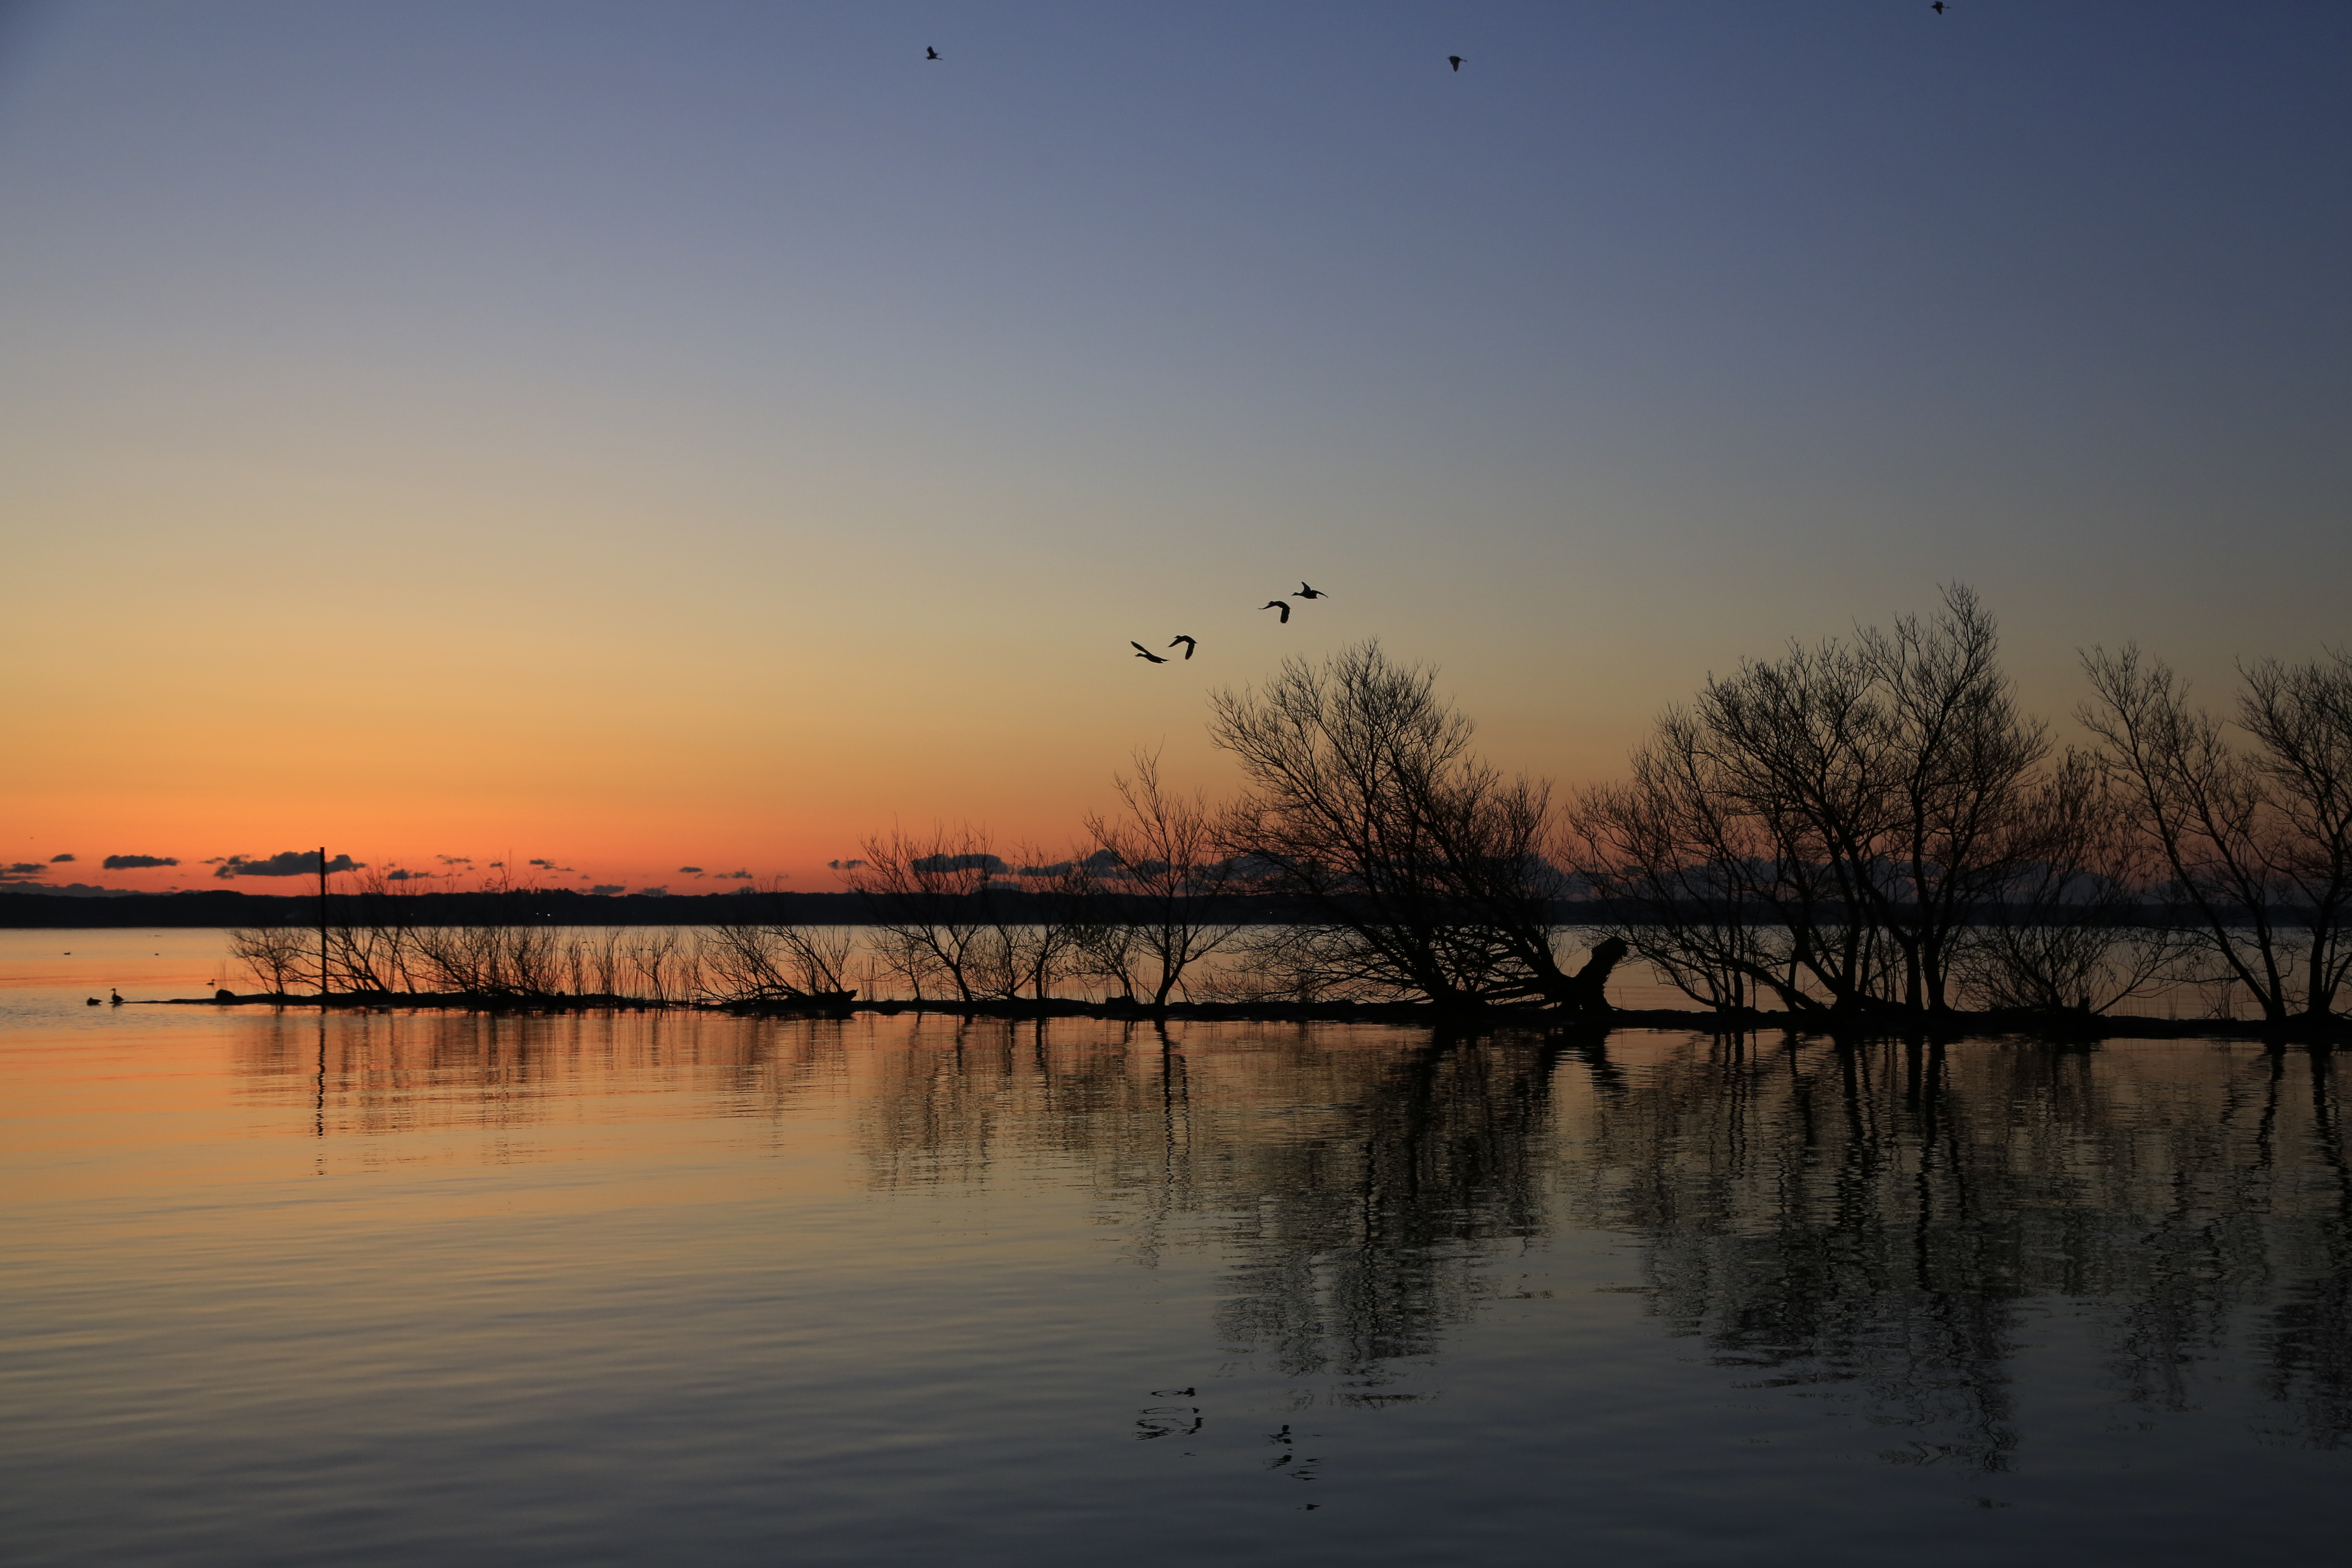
{"x": 323, "y": 924}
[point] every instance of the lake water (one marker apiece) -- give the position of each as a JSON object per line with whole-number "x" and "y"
{"x": 394, "y": 1288}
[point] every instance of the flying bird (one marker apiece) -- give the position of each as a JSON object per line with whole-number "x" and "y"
{"x": 1186, "y": 641}
{"x": 1457, "y": 59}
{"x": 1277, "y": 605}
{"x": 1307, "y": 593}
{"x": 1143, "y": 652}
{"x": 931, "y": 54}
{"x": 1938, "y": 8}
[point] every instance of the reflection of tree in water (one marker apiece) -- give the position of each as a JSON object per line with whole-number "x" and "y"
{"x": 369, "y": 1073}
{"x": 1877, "y": 1215}
{"x": 1358, "y": 1187}
{"x": 1859, "y": 1221}
{"x": 1863, "y": 1221}
{"x": 1379, "y": 1232}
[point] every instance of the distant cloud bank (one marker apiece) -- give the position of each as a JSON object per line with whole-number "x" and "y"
{"x": 61, "y": 859}
{"x": 938, "y": 863}
{"x": 286, "y": 863}
{"x": 138, "y": 862}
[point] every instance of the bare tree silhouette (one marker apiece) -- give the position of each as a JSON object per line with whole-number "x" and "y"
{"x": 2257, "y": 840}
{"x": 1160, "y": 864}
{"x": 1423, "y": 868}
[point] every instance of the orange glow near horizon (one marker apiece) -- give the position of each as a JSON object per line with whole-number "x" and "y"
{"x": 708, "y": 438}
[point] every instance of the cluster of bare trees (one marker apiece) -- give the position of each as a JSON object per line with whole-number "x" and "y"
{"x": 1876, "y": 824}
{"x": 1862, "y": 825}
{"x": 1134, "y": 910}
{"x": 369, "y": 947}
{"x": 1871, "y": 824}
{"x": 1417, "y": 868}
{"x": 1370, "y": 855}
{"x": 2253, "y": 837}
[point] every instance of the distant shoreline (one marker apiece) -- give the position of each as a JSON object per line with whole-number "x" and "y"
{"x": 1872, "y": 1024}
{"x": 29, "y": 908}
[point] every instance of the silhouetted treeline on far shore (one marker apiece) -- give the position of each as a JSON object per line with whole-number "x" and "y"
{"x": 564, "y": 906}
{"x": 1864, "y": 829}
{"x": 205, "y": 909}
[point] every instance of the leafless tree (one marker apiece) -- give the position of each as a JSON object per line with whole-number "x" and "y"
{"x": 2257, "y": 839}
{"x": 929, "y": 899}
{"x": 1688, "y": 879}
{"x": 2072, "y": 928}
{"x": 1421, "y": 868}
{"x": 1964, "y": 760}
{"x": 279, "y": 957}
{"x": 1109, "y": 948}
{"x": 1828, "y": 824}
{"x": 1160, "y": 865}
{"x": 516, "y": 962}
{"x": 1039, "y": 911}
{"x": 762, "y": 958}
{"x": 370, "y": 950}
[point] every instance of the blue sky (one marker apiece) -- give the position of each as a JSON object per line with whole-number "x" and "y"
{"x": 730, "y": 378}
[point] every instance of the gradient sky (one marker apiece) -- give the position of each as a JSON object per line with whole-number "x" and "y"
{"x": 639, "y": 435}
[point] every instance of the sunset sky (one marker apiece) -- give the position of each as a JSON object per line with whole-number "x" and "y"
{"x": 639, "y": 436}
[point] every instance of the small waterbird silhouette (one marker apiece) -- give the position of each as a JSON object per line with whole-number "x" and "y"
{"x": 1457, "y": 59}
{"x": 1186, "y": 641}
{"x": 1172, "y": 1393}
{"x": 1938, "y": 8}
{"x": 929, "y": 53}
{"x": 1143, "y": 652}
{"x": 1277, "y": 605}
{"x": 1307, "y": 593}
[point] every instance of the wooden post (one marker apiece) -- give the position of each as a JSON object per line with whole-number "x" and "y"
{"x": 323, "y": 924}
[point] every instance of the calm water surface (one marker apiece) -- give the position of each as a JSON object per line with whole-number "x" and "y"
{"x": 688, "y": 1289}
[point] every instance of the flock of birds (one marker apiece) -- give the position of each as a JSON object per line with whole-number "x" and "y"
{"x": 1454, "y": 60}
{"x": 1189, "y": 644}
{"x": 1306, "y": 591}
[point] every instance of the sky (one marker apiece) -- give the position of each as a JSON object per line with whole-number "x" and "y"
{"x": 636, "y": 437}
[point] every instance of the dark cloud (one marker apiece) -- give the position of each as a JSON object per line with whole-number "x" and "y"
{"x": 404, "y": 874}
{"x": 23, "y": 869}
{"x": 455, "y": 859}
{"x": 844, "y": 865}
{"x": 1058, "y": 869}
{"x": 286, "y": 863}
{"x": 539, "y": 862}
{"x": 660, "y": 892}
{"x": 690, "y": 870}
{"x": 608, "y": 887}
{"x": 61, "y": 859}
{"x": 139, "y": 862}
{"x": 498, "y": 865}
{"x": 734, "y": 876}
{"x": 938, "y": 863}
